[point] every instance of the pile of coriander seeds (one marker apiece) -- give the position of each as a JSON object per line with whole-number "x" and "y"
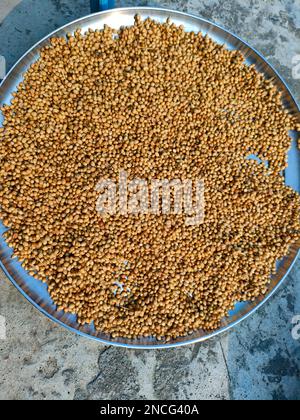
{"x": 158, "y": 103}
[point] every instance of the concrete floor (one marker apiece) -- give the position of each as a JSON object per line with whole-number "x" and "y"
{"x": 257, "y": 360}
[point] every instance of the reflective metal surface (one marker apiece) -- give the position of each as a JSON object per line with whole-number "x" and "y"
{"x": 35, "y": 291}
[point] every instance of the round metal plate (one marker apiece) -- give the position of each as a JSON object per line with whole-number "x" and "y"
{"x": 35, "y": 291}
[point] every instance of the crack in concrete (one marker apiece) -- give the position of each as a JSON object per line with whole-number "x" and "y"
{"x": 226, "y": 364}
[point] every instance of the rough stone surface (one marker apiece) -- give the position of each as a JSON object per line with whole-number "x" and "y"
{"x": 259, "y": 359}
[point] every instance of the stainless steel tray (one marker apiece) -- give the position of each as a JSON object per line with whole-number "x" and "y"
{"x": 35, "y": 291}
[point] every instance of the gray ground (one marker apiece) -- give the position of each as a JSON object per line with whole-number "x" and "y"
{"x": 257, "y": 360}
